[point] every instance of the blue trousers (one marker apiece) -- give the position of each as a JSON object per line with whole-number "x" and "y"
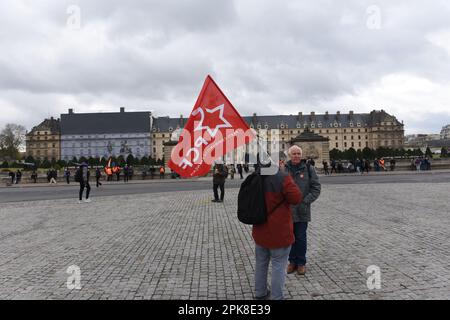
{"x": 279, "y": 259}
{"x": 298, "y": 250}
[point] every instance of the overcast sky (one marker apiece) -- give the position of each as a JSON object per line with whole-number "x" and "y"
{"x": 269, "y": 57}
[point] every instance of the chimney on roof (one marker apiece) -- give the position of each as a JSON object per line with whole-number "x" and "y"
{"x": 70, "y": 111}
{"x": 300, "y": 116}
{"x": 326, "y": 114}
{"x": 181, "y": 120}
{"x": 350, "y": 115}
{"x": 122, "y": 110}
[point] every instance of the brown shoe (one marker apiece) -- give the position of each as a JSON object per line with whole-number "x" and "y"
{"x": 291, "y": 268}
{"x": 301, "y": 270}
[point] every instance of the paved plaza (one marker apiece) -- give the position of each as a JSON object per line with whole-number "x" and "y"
{"x": 179, "y": 245}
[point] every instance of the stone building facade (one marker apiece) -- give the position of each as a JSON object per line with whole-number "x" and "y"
{"x": 43, "y": 141}
{"x": 445, "y": 132}
{"x": 343, "y": 131}
{"x": 102, "y": 135}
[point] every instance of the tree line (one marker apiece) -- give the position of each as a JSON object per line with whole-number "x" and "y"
{"x": 382, "y": 152}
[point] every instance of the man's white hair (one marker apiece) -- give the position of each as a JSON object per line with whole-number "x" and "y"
{"x": 294, "y": 147}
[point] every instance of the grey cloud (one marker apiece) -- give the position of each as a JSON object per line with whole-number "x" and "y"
{"x": 266, "y": 55}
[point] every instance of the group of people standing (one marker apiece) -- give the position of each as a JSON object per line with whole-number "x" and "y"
{"x": 358, "y": 166}
{"x": 16, "y": 177}
{"x": 421, "y": 164}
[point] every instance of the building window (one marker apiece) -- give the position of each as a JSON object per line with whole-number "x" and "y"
{"x": 345, "y": 144}
{"x": 337, "y": 138}
{"x": 345, "y": 137}
{"x": 337, "y": 145}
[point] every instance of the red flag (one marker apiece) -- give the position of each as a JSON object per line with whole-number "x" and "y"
{"x": 214, "y": 128}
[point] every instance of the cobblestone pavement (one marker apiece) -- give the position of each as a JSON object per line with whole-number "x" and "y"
{"x": 182, "y": 246}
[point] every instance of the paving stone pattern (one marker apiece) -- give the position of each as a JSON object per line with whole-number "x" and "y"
{"x": 182, "y": 246}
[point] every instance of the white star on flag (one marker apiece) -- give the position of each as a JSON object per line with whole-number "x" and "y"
{"x": 200, "y": 126}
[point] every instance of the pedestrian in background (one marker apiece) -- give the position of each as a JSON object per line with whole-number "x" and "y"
{"x": 18, "y": 176}
{"x": 83, "y": 176}
{"x": 98, "y": 176}
{"x": 67, "y": 175}
{"x": 219, "y": 177}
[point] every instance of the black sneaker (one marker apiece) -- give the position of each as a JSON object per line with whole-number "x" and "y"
{"x": 266, "y": 297}
{"x": 214, "y": 200}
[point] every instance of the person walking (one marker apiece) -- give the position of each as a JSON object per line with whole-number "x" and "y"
{"x": 83, "y": 176}
{"x": 273, "y": 239}
{"x": 12, "y": 175}
{"x": 67, "y": 175}
{"x": 306, "y": 178}
{"x": 367, "y": 166}
{"x": 219, "y": 177}
{"x": 98, "y": 176}
{"x": 393, "y": 162}
{"x": 232, "y": 171}
{"x": 333, "y": 166}
{"x": 53, "y": 176}
{"x": 118, "y": 173}
{"x": 34, "y": 176}
{"x": 126, "y": 173}
{"x": 18, "y": 176}
{"x": 240, "y": 170}
{"x": 325, "y": 168}
{"x": 162, "y": 172}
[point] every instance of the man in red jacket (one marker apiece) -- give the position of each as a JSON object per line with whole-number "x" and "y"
{"x": 274, "y": 238}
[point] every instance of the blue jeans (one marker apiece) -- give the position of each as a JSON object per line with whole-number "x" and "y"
{"x": 279, "y": 259}
{"x": 298, "y": 250}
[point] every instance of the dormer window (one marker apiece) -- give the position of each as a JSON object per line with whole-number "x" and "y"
{"x": 298, "y": 125}
{"x": 266, "y": 126}
{"x": 351, "y": 124}
{"x": 170, "y": 129}
{"x": 282, "y": 126}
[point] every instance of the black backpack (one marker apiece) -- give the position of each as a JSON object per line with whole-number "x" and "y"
{"x": 251, "y": 201}
{"x": 78, "y": 175}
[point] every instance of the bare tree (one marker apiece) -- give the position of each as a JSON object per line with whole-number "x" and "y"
{"x": 11, "y": 138}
